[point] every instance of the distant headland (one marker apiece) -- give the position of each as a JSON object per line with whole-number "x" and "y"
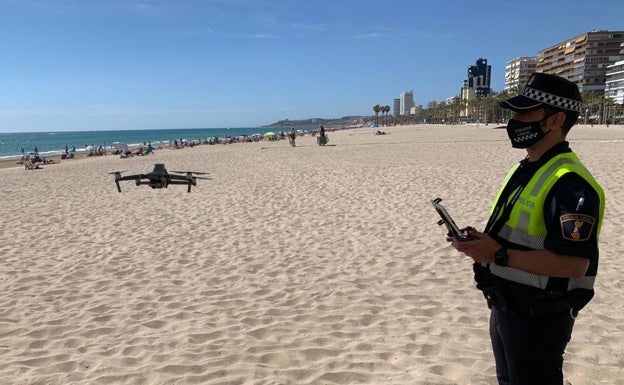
{"x": 345, "y": 121}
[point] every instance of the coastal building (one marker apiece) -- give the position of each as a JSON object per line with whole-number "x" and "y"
{"x": 479, "y": 77}
{"x": 476, "y": 86}
{"x": 518, "y": 70}
{"x": 397, "y": 106}
{"x": 417, "y": 111}
{"x": 583, "y": 59}
{"x": 614, "y": 85}
{"x": 406, "y": 102}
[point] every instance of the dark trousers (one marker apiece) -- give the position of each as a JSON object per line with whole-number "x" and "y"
{"x": 529, "y": 350}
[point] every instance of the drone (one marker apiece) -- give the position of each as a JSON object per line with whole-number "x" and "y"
{"x": 160, "y": 178}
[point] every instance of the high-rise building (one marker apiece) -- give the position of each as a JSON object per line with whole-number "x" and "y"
{"x": 518, "y": 70}
{"x": 614, "y": 85}
{"x": 397, "y": 106}
{"x": 583, "y": 59}
{"x": 477, "y": 85}
{"x": 407, "y": 102}
{"x": 479, "y": 77}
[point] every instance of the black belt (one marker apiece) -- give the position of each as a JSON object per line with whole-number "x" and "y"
{"x": 495, "y": 297}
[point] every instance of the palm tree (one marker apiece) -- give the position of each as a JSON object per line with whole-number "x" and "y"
{"x": 473, "y": 105}
{"x": 588, "y": 99}
{"x": 385, "y": 110}
{"x": 605, "y": 102}
{"x": 461, "y": 112}
{"x": 592, "y": 101}
{"x": 376, "y": 108}
{"x": 501, "y": 114}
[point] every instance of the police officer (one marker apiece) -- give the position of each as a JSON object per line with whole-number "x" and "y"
{"x": 536, "y": 260}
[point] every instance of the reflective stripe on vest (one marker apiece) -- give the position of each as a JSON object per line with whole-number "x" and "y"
{"x": 526, "y": 225}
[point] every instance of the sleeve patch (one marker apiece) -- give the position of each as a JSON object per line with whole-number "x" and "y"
{"x": 576, "y": 227}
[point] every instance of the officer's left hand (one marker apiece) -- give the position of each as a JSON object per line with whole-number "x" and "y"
{"x": 481, "y": 249}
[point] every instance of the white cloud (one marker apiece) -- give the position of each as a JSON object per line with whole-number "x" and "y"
{"x": 368, "y": 36}
{"x": 263, "y": 36}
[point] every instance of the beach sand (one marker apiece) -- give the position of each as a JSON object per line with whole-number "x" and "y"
{"x": 304, "y": 265}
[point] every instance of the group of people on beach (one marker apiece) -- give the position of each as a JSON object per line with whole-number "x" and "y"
{"x": 321, "y": 139}
{"x": 33, "y": 160}
{"x": 92, "y": 150}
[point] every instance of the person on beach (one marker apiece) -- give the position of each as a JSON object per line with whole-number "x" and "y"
{"x": 291, "y": 137}
{"x": 36, "y": 157}
{"x": 537, "y": 259}
{"x": 322, "y": 138}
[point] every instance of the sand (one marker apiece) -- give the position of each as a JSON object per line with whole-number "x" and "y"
{"x": 304, "y": 265}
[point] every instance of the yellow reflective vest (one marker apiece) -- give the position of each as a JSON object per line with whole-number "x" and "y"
{"x": 526, "y": 224}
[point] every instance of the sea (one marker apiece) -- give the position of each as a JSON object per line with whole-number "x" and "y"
{"x": 52, "y": 143}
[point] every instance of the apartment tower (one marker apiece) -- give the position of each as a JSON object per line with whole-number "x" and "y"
{"x": 396, "y": 105}
{"x": 407, "y": 102}
{"x": 477, "y": 85}
{"x": 479, "y": 78}
{"x": 614, "y": 86}
{"x": 583, "y": 59}
{"x": 518, "y": 70}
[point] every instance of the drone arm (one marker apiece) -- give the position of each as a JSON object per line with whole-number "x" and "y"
{"x": 184, "y": 180}
{"x": 132, "y": 177}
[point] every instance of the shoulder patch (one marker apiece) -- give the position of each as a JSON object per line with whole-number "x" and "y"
{"x": 576, "y": 227}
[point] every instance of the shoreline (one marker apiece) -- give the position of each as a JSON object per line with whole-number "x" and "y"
{"x": 14, "y": 162}
{"x": 52, "y": 144}
{"x": 56, "y": 156}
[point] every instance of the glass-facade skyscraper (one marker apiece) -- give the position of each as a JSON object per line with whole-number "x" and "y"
{"x": 479, "y": 78}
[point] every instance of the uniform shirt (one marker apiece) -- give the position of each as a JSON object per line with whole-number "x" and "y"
{"x": 562, "y": 200}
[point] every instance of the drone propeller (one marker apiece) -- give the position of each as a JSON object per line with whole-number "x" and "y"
{"x": 190, "y": 172}
{"x": 117, "y": 178}
{"x": 118, "y": 172}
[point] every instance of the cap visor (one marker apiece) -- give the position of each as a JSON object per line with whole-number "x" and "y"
{"x": 521, "y": 103}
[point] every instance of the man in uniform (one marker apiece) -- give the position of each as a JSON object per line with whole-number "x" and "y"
{"x": 537, "y": 259}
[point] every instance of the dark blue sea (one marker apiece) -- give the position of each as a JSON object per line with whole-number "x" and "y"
{"x": 49, "y": 143}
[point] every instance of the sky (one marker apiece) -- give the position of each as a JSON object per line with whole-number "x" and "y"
{"x": 73, "y": 65}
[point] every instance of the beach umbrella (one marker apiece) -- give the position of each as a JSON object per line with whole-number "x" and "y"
{"x": 269, "y": 133}
{"x": 120, "y": 146}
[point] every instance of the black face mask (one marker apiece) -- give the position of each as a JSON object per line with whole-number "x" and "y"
{"x": 525, "y": 134}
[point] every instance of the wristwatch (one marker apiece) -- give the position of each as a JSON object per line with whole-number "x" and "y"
{"x": 501, "y": 257}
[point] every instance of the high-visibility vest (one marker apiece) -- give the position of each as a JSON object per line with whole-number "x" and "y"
{"x": 526, "y": 225}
